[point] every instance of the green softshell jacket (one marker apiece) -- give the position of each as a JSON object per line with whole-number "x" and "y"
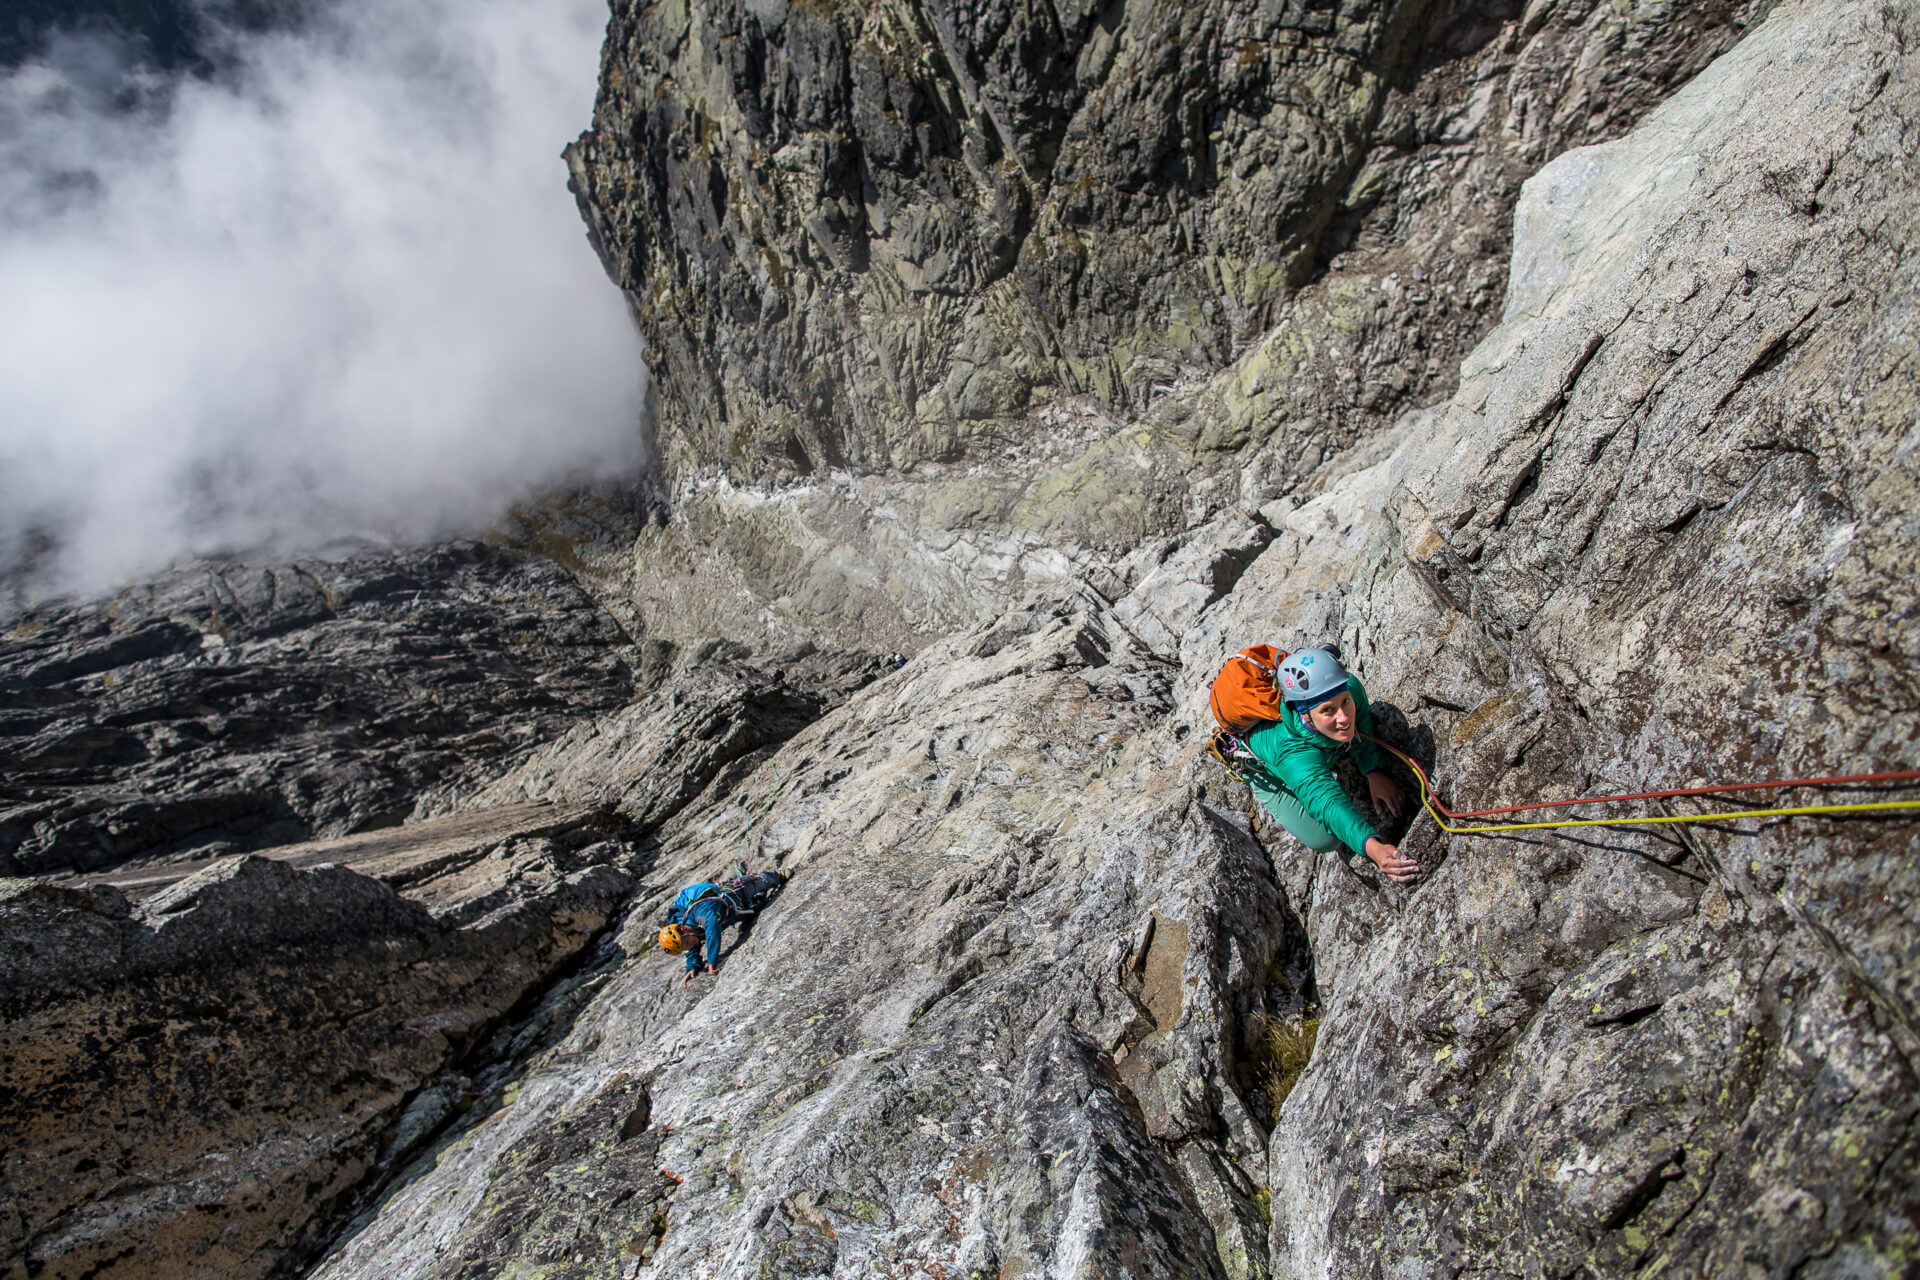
{"x": 1302, "y": 758}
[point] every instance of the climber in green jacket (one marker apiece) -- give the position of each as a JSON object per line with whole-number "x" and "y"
{"x": 1326, "y": 711}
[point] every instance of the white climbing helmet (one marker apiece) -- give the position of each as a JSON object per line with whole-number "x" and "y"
{"x": 1311, "y": 676}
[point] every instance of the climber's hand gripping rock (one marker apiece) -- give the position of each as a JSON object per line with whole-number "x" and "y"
{"x": 1387, "y": 857}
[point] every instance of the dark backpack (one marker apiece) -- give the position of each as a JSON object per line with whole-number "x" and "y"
{"x": 744, "y": 896}
{"x": 751, "y": 894}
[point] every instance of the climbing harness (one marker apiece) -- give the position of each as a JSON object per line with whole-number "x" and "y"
{"x": 1235, "y": 756}
{"x": 745, "y": 895}
{"x": 1436, "y": 809}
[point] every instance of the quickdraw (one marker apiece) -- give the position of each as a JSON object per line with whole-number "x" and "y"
{"x": 1234, "y": 755}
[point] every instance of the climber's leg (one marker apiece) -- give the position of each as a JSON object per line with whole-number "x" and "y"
{"x": 1288, "y": 812}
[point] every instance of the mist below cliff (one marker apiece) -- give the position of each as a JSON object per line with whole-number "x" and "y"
{"x": 336, "y": 290}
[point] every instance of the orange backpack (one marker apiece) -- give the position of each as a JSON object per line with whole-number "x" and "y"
{"x": 1246, "y": 693}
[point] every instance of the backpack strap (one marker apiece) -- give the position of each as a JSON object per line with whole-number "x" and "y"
{"x": 730, "y": 896}
{"x": 1257, "y": 665}
{"x": 682, "y": 912}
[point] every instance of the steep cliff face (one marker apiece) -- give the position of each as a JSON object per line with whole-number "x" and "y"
{"x": 1655, "y": 527}
{"x": 1001, "y": 1023}
{"x": 852, "y": 233}
{"x": 1665, "y": 532}
{"x": 906, "y": 1064}
{"x": 976, "y": 244}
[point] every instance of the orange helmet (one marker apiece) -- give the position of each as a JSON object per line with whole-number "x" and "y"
{"x": 676, "y": 938}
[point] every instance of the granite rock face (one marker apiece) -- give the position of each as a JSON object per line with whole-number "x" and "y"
{"x": 934, "y": 296}
{"x": 991, "y": 1023}
{"x": 206, "y": 1081}
{"x": 1598, "y": 461}
{"x": 1661, "y": 534}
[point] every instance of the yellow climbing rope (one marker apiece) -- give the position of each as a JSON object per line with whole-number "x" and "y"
{"x": 1435, "y": 809}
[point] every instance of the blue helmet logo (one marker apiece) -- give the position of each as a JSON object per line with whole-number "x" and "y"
{"x": 1307, "y": 661}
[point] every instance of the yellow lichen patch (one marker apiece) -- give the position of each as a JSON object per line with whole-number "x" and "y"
{"x": 1479, "y": 718}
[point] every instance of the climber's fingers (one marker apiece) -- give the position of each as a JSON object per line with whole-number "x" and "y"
{"x": 1387, "y": 796}
{"x": 1387, "y": 857}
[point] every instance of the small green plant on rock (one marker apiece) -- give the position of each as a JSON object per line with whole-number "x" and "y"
{"x": 1281, "y": 1053}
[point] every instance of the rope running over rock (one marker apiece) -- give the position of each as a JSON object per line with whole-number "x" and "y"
{"x": 1436, "y": 809}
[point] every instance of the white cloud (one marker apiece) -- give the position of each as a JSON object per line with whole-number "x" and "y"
{"x": 340, "y": 292}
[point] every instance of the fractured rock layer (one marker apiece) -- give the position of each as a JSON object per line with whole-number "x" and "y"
{"x": 851, "y": 234}
{"x": 910, "y": 1062}
{"x": 194, "y": 1084}
{"x": 232, "y": 706}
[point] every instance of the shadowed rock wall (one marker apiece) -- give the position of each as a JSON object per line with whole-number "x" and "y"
{"x": 195, "y": 1085}
{"x": 231, "y": 706}
{"x": 855, "y": 233}
{"x": 931, "y": 294}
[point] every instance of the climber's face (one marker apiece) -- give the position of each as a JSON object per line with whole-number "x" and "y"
{"x": 1335, "y": 718}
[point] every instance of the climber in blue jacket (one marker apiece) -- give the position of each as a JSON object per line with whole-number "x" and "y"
{"x": 701, "y": 911}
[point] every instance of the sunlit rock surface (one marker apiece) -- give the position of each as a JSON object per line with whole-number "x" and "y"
{"x": 1640, "y": 514}
{"x": 1663, "y": 535}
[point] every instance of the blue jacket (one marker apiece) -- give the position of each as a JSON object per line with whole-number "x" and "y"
{"x": 710, "y": 915}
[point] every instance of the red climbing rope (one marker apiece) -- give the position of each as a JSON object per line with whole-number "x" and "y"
{"x": 1428, "y": 798}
